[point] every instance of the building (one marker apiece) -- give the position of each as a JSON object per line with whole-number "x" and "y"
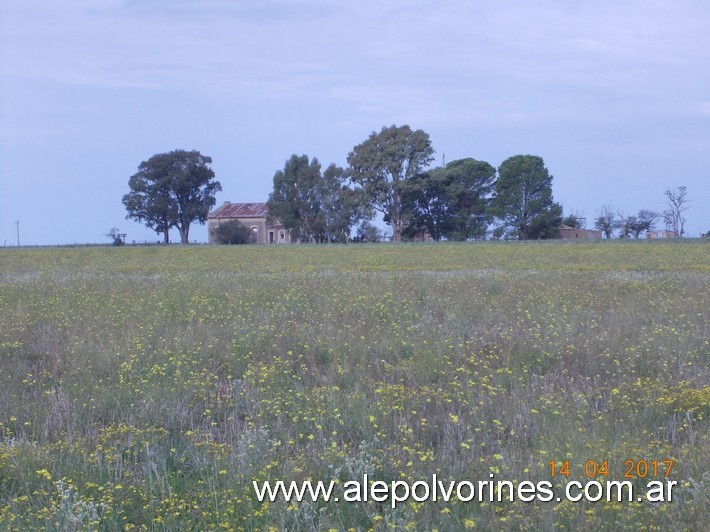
{"x": 664, "y": 233}
{"x": 254, "y": 216}
{"x": 570, "y": 233}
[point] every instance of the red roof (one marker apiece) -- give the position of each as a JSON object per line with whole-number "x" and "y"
{"x": 240, "y": 210}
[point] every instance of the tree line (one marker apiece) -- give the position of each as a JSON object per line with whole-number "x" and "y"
{"x": 615, "y": 223}
{"x": 388, "y": 174}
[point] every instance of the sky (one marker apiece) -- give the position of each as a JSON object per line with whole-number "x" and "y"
{"x": 613, "y": 94}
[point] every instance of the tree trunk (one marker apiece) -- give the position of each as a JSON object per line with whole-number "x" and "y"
{"x": 166, "y": 237}
{"x": 396, "y": 231}
{"x": 184, "y": 234}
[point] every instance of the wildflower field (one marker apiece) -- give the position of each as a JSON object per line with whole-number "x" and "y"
{"x": 147, "y": 388}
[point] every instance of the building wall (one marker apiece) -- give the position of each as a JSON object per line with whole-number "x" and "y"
{"x": 664, "y": 233}
{"x": 262, "y": 232}
{"x": 581, "y": 234}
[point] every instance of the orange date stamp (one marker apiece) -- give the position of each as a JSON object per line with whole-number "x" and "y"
{"x": 631, "y": 469}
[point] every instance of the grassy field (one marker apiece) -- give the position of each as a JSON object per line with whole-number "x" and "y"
{"x": 148, "y": 387}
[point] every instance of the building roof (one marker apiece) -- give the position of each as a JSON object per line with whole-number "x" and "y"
{"x": 240, "y": 210}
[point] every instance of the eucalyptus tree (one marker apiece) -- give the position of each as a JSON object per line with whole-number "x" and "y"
{"x": 173, "y": 189}
{"x": 384, "y": 164}
{"x": 315, "y": 206}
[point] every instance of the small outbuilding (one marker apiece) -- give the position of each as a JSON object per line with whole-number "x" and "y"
{"x": 570, "y": 233}
{"x": 663, "y": 233}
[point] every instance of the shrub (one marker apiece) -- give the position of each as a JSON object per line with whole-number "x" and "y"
{"x": 232, "y": 232}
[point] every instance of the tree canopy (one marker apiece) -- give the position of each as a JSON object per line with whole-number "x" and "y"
{"x": 634, "y": 225}
{"x": 315, "y": 206}
{"x": 389, "y": 173}
{"x": 451, "y": 201}
{"x": 383, "y": 164}
{"x": 172, "y": 189}
{"x": 523, "y": 198}
{"x": 574, "y": 220}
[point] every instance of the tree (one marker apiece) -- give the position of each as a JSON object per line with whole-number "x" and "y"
{"x": 314, "y": 206}
{"x": 426, "y": 194}
{"x": 624, "y": 223}
{"x": 383, "y": 164}
{"x": 291, "y": 201}
{"x": 367, "y": 232}
{"x": 645, "y": 221}
{"x": 149, "y": 201}
{"x": 575, "y": 221}
{"x": 343, "y": 206}
{"x": 606, "y": 221}
{"x": 634, "y": 225}
{"x": 451, "y": 202}
{"x": 523, "y": 198}
{"x": 117, "y": 238}
{"x": 677, "y": 205}
{"x": 232, "y": 232}
{"x": 172, "y": 189}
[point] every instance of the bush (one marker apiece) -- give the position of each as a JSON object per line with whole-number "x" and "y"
{"x": 232, "y": 232}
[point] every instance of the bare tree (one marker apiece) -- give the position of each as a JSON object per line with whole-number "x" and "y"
{"x": 677, "y": 205}
{"x": 634, "y": 225}
{"x": 645, "y": 220}
{"x": 606, "y": 221}
{"x": 624, "y": 224}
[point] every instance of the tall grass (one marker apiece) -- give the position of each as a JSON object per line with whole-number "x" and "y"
{"x": 148, "y": 387}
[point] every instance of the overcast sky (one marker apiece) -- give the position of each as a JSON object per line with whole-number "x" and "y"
{"x": 613, "y": 94}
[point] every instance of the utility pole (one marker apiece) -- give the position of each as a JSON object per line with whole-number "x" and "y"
{"x": 17, "y": 223}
